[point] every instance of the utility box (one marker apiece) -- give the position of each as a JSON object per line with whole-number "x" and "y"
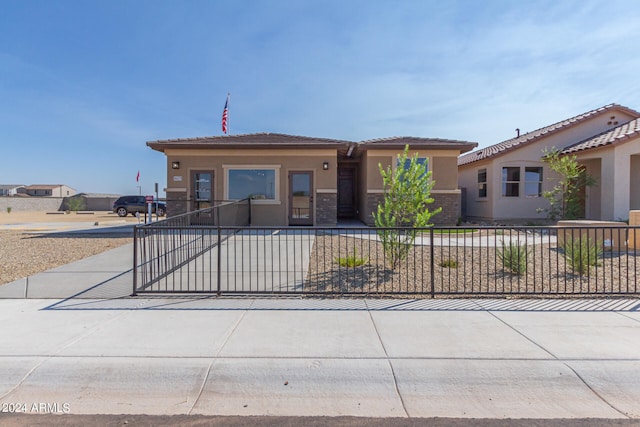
{"x": 634, "y": 234}
{"x": 609, "y": 235}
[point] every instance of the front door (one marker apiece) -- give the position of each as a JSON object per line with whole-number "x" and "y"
{"x": 300, "y": 198}
{"x": 346, "y": 192}
{"x": 202, "y": 189}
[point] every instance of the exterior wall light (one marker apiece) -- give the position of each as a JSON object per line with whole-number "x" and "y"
{"x": 175, "y": 165}
{"x": 325, "y": 166}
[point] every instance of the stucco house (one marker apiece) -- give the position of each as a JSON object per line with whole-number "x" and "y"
{"x": 505, "y": 181}
{"x": 48, "y": 190}
{"x": 10, "y": 189}
{"x": 300, "y": 180}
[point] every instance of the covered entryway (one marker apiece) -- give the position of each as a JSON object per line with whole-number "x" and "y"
{"x": 301, "y": 198}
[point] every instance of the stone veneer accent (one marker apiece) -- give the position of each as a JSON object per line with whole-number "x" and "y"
{"x": 373, "y": 200}
{"x": 449, "y": 215}
{"x": 176, "y": 203}
{"x": 326, "y": 208}
{"x": 450, "y": 203}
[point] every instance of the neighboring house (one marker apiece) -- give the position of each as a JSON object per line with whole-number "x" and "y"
{"x": 298, "y": 180}
{"x": 505, "y": 182}
{"x": 10, "y": 189}
{"x": 56, "y": 190}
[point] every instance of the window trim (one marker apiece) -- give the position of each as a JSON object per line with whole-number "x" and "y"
{"x": 539, "y": 183}
{"x": 504, "y": 182}
{"x": 276, "y": 168}
{"x": 483, "y": 184}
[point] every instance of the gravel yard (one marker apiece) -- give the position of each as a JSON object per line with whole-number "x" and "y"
{"x": 460, "y": 270}
{"x": 23, "y": 254}
{"x": 24, "y": 251}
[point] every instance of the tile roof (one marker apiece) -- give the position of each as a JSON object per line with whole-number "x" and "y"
{"x": 249, "y": 140}
{"x": 43, "y": 186}
{"x": 433, "y": 143}
{"x": 621, "y": 133}
{"x": 514, "y": 143}
{"x": 265, "y": 139}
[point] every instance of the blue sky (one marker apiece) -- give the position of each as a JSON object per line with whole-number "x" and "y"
{"x": 84, "y": 84}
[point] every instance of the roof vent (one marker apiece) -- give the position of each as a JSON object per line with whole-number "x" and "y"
{"x": 517, "y": 132}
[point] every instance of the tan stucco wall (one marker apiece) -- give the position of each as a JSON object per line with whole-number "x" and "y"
{"x": 442, "y": 163}
{"x": 263, "y": 212}
{"x": 618, "y": 180}
{"x": 478, "y": 207}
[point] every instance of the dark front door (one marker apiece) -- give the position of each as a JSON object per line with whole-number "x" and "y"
{"x": 300, "y": 198}
{"x": 346, "y": 192}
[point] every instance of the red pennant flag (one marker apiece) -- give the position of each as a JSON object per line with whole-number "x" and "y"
{"x": 138, "y": 177}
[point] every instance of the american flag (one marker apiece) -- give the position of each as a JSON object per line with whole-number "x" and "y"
{"x": 225, "y": 116}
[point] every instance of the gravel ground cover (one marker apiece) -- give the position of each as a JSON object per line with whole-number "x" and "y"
{"x": 24, "y": 251}
{"x": 23, "y": 254}
{"x": 460, "y": 270}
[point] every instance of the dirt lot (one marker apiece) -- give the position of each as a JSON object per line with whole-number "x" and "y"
{"x": 25, "y": 248}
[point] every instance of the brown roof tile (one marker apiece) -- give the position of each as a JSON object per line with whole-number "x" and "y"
{"x": 253, "y": 140}
{"x": 412, "y": 141}
{"x": 621, "y": 133}
{"x": 262, "y": 140}
{"x": 512, "y": 144}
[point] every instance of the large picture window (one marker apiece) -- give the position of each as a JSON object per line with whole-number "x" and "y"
{"x": 482, "y": 183}
{"x": 511, "y": 182}
{"x": 256, "y": 183}
{"x": 532, "y": 181}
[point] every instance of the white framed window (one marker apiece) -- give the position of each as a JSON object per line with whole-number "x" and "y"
{"x": 511, "y": 181}
{"x": 482, "y": 183}
{"x": 533, "y": 181}
{"x": 259, "y": 182}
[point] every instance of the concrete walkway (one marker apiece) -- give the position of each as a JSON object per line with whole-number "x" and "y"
{"x": 380, "y": 358}
{"x": 110, "y": 354}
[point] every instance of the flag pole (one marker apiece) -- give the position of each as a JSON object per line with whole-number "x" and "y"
{"x": 228, "y": 121}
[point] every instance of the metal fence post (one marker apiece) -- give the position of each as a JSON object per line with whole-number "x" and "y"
{"x": 135, "y": 260}
{"x": 431, "y": 263}
{"x": 219, "y": 273}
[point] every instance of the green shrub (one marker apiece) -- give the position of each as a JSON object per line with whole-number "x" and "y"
{"x": 75, "y": 204}
{"x": 449, "y": 263}
{"x": 8, "y": 209}
{"x": 352, "y": 260}
{"x": 582, "y": 253}
{"x": 404, "y": 208}
{"x": 514, "y": 257}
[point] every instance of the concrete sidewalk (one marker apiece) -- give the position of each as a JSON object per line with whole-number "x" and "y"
{"x": 380, "y": 358}
{"x": 94, "y": 350}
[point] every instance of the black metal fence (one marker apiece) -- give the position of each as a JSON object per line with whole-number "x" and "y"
{"x": 439, "y": 261}
{"x": 163, "y": 249}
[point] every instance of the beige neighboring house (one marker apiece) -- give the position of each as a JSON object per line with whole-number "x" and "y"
{"x": 299, "y": 180}
{"x": 54, "y": 190}
{"x": 504, "y": 182}
{"x": 10, "y": 189}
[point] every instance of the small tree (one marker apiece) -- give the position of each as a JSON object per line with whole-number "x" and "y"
{"x": 75, "y": 204}
{"x": 407, "y": 194}
{"x": 565, "y": 199}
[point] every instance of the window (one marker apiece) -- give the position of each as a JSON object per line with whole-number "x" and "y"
{"x": 421, "y": 161}
{"x": 259, "y": 184}
{"x": 511, "y": 182}
{"x": 533, "y": 181}
{"x": 482, "y": 183}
